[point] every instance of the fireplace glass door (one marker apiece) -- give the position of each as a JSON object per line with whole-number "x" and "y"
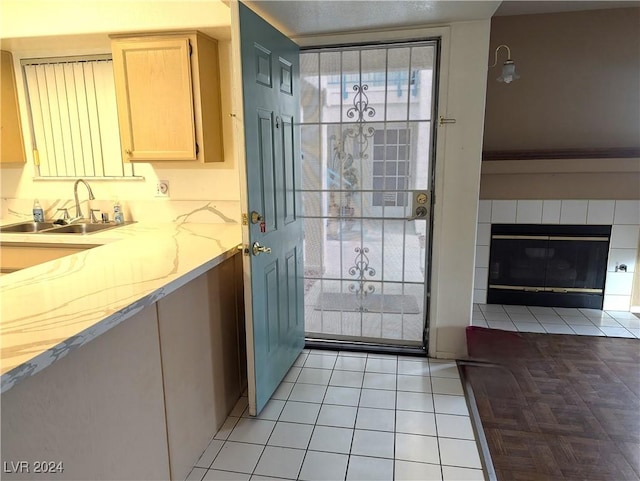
{"x": 556, "y": 266}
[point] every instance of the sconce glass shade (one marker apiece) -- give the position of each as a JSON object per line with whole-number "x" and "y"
{"x": 508, "y": 72}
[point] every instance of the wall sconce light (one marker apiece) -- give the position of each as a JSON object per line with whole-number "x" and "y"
{"x": 508, "y": 68}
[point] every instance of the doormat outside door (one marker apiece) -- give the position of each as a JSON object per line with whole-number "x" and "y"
{"x": 347, "y": 301}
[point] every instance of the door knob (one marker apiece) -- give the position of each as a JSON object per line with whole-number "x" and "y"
{"x": 257, "y": 249}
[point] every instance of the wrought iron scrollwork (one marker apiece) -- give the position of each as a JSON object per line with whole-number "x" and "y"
{"x": 359, "y": 134}
{"x": 361, "y": 109}
{"x": 361, "y": 104}
{"x": 361, "y": 269}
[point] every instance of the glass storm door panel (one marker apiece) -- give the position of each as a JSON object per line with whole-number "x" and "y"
{"x": 367, "y": 136}
{"x": 275, "y": 326}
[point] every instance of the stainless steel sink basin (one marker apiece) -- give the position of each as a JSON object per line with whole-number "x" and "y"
{"x": 51, "y": 228}
{"x": 27, "y": 227}
{"x": 83, "y": 228}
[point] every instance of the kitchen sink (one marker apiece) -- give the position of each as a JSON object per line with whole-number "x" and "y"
{"x": 27, "y": 227}
{"x": 81, "y": 228}
{"x": 50, "y": 228}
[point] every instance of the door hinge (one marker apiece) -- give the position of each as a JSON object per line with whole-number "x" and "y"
{"x": 190, "y": 49}
{"x": 245, "y": 219}
{"x": 197, "y": 148}
{"x": 36, "y": 157}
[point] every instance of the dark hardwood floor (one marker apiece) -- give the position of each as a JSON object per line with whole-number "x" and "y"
{"x": 557, "y": 407}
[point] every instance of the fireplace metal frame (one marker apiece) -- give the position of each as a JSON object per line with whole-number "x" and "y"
{"x": 548, "y": 295}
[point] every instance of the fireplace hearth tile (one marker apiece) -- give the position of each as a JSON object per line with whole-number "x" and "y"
{"x": 504, "y": 325}
{"x": 587, "y": 330}
{"x": 577, "y": 320}
{"x": 567, "y": 311}
{"x": 622, "y": 315}
{"x": 497, "y": 316}
{"x": 630, "y": 323}
{"x": 616, "y": 331}
{"x": 514, "y": 308}
{"x": 605, "y": 322}
{"x": 550, "y": 319}
{"x": 558, "y": 329}
{"x": 523, "y": 317}
{"x": 491, "y": 308}
{"x": 529, "y": 326}
{"x": 542, "y": 310}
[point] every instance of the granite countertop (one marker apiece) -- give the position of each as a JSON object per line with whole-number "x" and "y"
{"x": 50, "y": 309}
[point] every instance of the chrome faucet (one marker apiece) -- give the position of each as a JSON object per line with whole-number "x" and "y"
{"x": 79, "y": 214}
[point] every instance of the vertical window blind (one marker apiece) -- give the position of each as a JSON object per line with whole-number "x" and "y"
{"x": 74, "y": 117}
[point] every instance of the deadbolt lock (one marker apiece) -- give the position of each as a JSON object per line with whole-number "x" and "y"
{"x": 255, "y": 217}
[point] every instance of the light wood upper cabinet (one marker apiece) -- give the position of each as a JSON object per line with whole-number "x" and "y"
{"x": 168, "y": 95}
{"x": 11, "y": 141}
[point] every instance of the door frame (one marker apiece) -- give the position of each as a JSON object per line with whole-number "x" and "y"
{"x": 440, "y": 35}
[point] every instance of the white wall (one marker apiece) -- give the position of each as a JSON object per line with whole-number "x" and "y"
{"x": 458, "y": 184}
{"x": 461, "y": 96}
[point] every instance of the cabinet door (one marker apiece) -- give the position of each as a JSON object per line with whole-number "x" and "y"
{"x": 155, "y": 98}
{"x": 10, "y": 128}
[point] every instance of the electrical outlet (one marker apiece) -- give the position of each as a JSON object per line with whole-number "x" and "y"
{"x": 162, "y": 188}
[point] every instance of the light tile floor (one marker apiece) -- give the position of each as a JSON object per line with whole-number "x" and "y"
{"x": 557, "y": 320}
{"x": 351, "y": 416}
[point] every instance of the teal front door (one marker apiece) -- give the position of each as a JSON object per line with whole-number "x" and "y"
{"x": 274, "y": 253}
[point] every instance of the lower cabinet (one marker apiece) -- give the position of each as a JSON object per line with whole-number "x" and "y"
{"x": 142, "y": 400}
{"x": 199, "y": 341}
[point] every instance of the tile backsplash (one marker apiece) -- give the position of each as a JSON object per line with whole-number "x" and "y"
{"x": 622, "y": 215}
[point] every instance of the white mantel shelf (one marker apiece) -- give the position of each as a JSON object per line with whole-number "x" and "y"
{"x": 48, "y": 310}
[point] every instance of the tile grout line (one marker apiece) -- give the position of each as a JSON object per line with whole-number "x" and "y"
{"x": 395, "y": 419}
{"x": 353, "y": 435}
{"x": 315, "y": 425}
{"x": 435, "y": 420}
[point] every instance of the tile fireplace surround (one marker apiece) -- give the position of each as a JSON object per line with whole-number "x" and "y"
{"x": 622, "y": 215}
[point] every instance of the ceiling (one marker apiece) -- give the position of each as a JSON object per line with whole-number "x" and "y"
{"x": 316, "y": 17}
{"x": 527, "y": 7}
